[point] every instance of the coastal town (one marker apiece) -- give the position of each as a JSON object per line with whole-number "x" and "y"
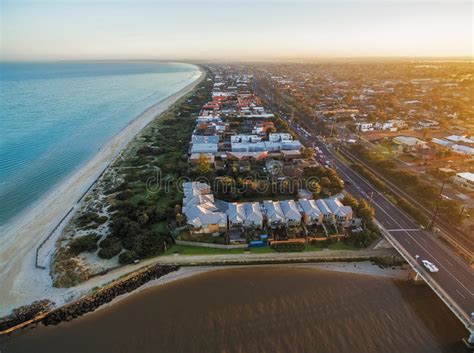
{"x": 239, "y": 168}
{"x": 243, "y": 164}
{"x": 276, "y": 189}
{"x": 236, "y": 176}
{"x": 246, "y": 181}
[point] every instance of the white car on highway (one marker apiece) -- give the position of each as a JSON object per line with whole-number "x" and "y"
{"x": 430, "y": 266}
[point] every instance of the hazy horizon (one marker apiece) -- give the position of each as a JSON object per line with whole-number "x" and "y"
{"x": 226, "y": 30}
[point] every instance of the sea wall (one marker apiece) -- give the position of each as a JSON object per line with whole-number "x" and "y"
{"x": 106, "y": 294}
{"x": 40, "y": 311}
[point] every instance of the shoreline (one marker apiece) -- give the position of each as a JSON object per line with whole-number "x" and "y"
{"x": 360, "y": 268}
{"x": 22, "y": 282}
{"x": 97, "y": 300}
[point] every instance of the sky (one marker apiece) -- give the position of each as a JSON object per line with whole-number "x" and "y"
{"x": 33, "y": 30}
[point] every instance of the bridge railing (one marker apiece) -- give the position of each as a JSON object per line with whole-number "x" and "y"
{"x": 445, "y": 297}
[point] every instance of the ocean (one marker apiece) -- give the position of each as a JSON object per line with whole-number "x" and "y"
{"x": 56, "y": 116}
{"x": 259, "y": 310}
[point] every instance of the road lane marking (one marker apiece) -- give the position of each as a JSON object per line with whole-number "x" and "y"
{"x": 460, "y": 294}
{"x": 407, "y": 233}
{"x": 416, "y": 241}
{"x": 403, "y": 230}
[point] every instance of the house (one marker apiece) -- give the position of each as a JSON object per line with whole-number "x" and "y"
{"x": 364, "y": 126}
{"x": 279, "y": 137}
{"x": 245, "y": 138}
{"x": 204, "y": 144}
{"x": 291, "y": 212}
{"x": 202, "y": 215}
{"x": 462, "y": 139}
{"x": 236, "y": 214}
{"x": 311, "y": 213}
{"x": 426, "y": 124}
{"x": 409, "y": 144}
{"x": 204, "y": 218}
{"x": 244, "y": 156}
{"x": 465, "y": 180}
{"x": 328, "y": 215}
{"x": 195, "y": 188}
{"x": 461, "y": 149}
{"x": 197, "y": 200}
{"x": 387, "y": 125}
{"x": 253, "y": 215}
{"x": 274, "y": 214}
{"x": 291, "y": 154}
{"x": 342, "y": 214}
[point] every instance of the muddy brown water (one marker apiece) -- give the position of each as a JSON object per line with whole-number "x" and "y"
{"x": 246, "y": 310}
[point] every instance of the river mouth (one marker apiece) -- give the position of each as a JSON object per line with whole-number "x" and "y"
{"x": 260, "y": 309}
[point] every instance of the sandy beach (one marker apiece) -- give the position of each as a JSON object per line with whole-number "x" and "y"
{"x": 20, "y": 281}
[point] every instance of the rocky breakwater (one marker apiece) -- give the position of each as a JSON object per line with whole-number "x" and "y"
{"x": 106, "y": 294}
{"x": 25, "y": 314}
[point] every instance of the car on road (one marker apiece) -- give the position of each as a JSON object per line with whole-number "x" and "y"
{"x": 430, "y": 266}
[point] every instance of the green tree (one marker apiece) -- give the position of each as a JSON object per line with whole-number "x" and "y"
{"x": 203, "y": 166}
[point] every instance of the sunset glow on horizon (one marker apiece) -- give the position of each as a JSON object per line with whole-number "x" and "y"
{"x": 69, "y": 29}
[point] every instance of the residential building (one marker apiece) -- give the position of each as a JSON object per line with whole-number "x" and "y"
{"x": 328, "y": 215}
{"x": 465, "y": 180}
{"x": 291, "y": 212}
{"x": 364, "y": 126}
{"x": 274, "y": 214}
{"x": 202, "y": 215}
{"x": 409, "y": 144}
{"x": 311, "y": 213}
{"x": 279, "y": 137}
{"x": 342, "y": 214}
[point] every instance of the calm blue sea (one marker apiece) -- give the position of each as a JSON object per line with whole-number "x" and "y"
{"x": 55, "y": 116}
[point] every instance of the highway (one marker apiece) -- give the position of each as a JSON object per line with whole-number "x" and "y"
{"x": 454, "y": 282}
{"x": 454, "y": 276}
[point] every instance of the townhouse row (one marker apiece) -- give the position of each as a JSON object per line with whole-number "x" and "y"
{"x": 204, "y": 214}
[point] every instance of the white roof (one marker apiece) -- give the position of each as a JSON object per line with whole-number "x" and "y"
{"x": 408, "y": 140}
{"x": 204, "y": 148}
{"x": 466, "y": 175}
{"x": 195, "y": 188}
{"x": 253, "y": 212}
{"x": 236, "y": 212}
{"x": 290, "y": 210}
{"x": 282, "y": 136}
{"x": 200, "y": 215}
{"x": 274, "y": 211}
{"x": 457, "y": 138}
{"x": 198, "y": 199}
{"x": 310, "y": 208}
{"x": 323, "y": 207}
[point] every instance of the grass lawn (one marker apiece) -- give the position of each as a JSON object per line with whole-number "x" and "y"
{"x": 196, "y": 250}
{"x": 310, "y": 247}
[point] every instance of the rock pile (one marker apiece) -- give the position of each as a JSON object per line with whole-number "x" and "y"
{"x": 25, "y": 313}
{"x": 106, "y": 295}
